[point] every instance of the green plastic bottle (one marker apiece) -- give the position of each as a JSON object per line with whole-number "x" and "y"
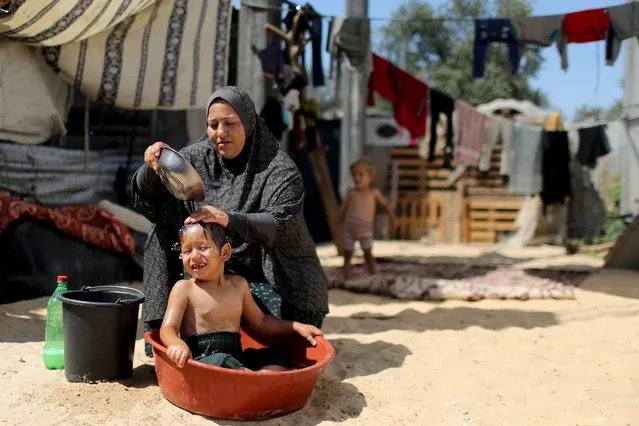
{"x": 54, "y": 332}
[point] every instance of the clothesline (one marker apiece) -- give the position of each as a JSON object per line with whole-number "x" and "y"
{"x": 580, "y": 125}
{"x": 324, "y": 16}
{"x": 293, "y": 6}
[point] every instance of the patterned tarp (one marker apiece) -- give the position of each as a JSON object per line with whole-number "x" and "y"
{"x": 86, "y": 223}
{"x": 135, "y": 54}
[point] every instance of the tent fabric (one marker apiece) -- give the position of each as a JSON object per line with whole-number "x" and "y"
{"x": 133, "y": 54}
{"x": 525, "y": 108}
{"x": 56, "y": 177}
{"x": 33, "y": 99}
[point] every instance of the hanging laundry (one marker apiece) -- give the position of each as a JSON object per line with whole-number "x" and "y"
{"x": 537, "y": 30}
{"x": 624, "y": 24}
{"x": 469, "y": 131}
{"x": 349, "y": 36}
{"x": 497, "y": 128}
{"x": 554, "y": 123}
{"x": 315, "y": 27}
{"x": 272, "y": 59}
{"x": 582, "y": 27}
{"x": 408, "y": 94}
{"x": 441, "y": 103}
{"x": 272, "y": 115}
{"x": 291, "y": 105}
{"x": 593, "y": 143}
{"x": 292, "y": 80}
{"x": 555, "y": 167}
{"x": 493, "y": 31}
{"x": 525, "y": 160}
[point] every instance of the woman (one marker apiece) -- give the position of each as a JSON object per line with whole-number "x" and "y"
{"x": 253, "y": 189}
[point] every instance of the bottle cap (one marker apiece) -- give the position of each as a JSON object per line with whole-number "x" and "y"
{"x": 62, "y": 278}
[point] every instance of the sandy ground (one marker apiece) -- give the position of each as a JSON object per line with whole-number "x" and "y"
{"x": 541, "y": 362}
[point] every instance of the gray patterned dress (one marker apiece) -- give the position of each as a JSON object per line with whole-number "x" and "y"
{"x": 263, "y": 193}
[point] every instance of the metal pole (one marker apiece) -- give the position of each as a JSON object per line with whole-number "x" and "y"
{"x": 354, "y": 85}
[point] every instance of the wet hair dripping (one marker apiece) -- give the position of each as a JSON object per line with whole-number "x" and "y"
{"x": 214, "y": 231}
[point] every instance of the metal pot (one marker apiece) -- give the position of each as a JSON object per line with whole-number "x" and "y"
{"x": 179, "y": 176}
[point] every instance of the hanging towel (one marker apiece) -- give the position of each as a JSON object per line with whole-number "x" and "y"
{"x": 497, "y": 128}
{"x": 469, "y": 131}
{"x": 624, "y": 24}
{"x": 525, "y": 160}
{"x": 493, "y": 31}
{"x": 537, "y": 30}
{"x": 408, "y": 94}
{"x": 582, "y": 27}
{"x": 555, "y": 167}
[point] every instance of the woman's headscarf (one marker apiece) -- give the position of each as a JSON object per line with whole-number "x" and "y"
{"x": 260, "y": 146}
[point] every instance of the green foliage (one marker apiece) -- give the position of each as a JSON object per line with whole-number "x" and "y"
{"x": 614, "y": 226}
{"x": 584, "y": 112}
{"x": 613, "y": 112}
{"x": 441, "y": 52}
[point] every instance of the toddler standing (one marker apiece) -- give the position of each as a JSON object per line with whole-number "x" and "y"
{"x": 358, "y": 214}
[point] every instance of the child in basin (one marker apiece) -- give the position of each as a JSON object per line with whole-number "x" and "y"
{"x": 203, "y": 315}
{"x": 358, "y": 214}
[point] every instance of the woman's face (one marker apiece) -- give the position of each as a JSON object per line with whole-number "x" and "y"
{"x": 225, "y": 129}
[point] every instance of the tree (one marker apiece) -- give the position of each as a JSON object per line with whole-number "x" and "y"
{"x": 614, "y": 111}
{"x": 586, "y": 112}
{"x": 437, "y": 46}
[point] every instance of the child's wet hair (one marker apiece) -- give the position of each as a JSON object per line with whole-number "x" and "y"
{"x": 365, "y": 162}
{"x": 215, "y": 232}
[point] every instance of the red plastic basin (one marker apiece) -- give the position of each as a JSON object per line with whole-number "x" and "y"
{"x": 243, "y": 395}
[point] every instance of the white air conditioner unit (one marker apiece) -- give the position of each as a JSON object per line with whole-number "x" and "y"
{"x": 384, "y": 131}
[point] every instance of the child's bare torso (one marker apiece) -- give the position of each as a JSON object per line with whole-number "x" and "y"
{"x": 213, "y": 307}
{"x": 362, "y": 204}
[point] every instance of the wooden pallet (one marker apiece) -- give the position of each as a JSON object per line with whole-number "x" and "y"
{"x": 480, "y": 208}
{"x": 416, "y": 217}
{"x": 484, "y": 218}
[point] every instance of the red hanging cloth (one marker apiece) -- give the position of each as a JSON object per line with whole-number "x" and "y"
{"x": 408, "y": 95}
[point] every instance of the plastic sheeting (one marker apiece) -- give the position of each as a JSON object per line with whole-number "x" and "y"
{"x": 57, "y": 177}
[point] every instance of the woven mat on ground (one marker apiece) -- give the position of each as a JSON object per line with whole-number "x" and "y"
{"x": 421, "y": 280}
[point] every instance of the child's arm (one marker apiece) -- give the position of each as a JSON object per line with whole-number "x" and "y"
{"x": 176, "y": 349}
{"x": 271, "y": 325}
{"x": 381, "y": 200}
{"x": 347, "y": 200}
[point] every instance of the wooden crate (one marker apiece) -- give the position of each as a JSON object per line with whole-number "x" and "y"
{"x": 479, "y": 208}
{"x": 485, "y": 217}
{"x": 416, "y": 176}
{"x": 417, "y": 216}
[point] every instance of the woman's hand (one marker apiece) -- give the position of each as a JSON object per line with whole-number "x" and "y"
{"x": 209, "y": 214}
{"x": 179, "y": 353}
{"x": 152, "y": 154}
{"x": 307, "y": 331}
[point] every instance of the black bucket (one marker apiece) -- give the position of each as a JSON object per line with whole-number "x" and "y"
{"x": 100, "y": 325}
